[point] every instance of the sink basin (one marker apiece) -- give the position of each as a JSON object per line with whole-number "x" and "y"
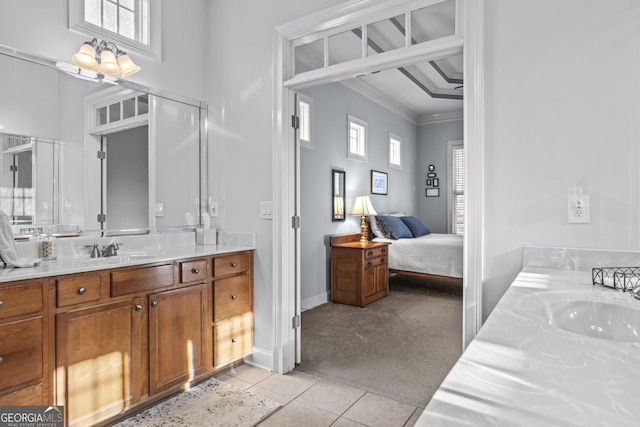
{"x": 117, "y": 259}
{"x": 596, "y": 319}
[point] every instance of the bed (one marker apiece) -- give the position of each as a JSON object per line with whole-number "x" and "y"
{"x": 421, "y": 252}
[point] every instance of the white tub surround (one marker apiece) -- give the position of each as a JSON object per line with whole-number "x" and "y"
{"x": 74, "y": 255}
{"x": 520, "y": 370}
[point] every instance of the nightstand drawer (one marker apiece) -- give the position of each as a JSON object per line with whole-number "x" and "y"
{"x": 375, "y": 262}
{"x": 375, "y": 252}
{"x": 76, "y": 290}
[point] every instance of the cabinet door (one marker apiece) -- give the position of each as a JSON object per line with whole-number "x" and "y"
{"x": 176, "y": 336}
{"x": 98, "y": 360}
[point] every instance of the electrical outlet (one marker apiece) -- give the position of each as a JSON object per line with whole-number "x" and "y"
{"x": 579, "y": 210}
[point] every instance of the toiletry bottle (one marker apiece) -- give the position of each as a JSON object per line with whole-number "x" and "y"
{"x": 49, "y": 247}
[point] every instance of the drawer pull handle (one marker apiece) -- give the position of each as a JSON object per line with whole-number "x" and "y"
{"x": 234, "y": 340}
{"x": 370, "y": 253}
{"x": 138, "y": 307}
{"x": 82, "y": 291}
{"x": 195, "y": 270}
{"x": 1, "y": 359}
{"x": 234, "y": 264}
{"x": 369, "y": 264}
{"x": 384, "y": 250}
{"x": 154, "y": 304}
{"x": 1, "y": 303}
{"x": 382, "y": 260}
{"x": 234, "y": 297}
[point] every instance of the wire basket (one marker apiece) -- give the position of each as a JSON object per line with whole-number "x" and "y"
{"x": 621, "y": 278}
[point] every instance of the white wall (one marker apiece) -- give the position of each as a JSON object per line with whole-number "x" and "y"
{"x": 562, "y": 105}
{"x": 332, "y": 103}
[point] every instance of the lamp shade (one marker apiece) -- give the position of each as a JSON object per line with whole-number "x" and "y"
{"x": 363, "y": 206}
{"x": 85, "y": 58}
{"x": 126, "y": 65}
{"x": 108, "y": 65}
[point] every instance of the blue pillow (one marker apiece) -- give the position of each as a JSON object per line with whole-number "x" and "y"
{"x": 393, "y": 227}
{"x": 417, "y": 227}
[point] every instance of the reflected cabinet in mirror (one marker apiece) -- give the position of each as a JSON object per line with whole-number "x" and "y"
{"x": 80, "y": 154}
{"x": 338, "y": 190}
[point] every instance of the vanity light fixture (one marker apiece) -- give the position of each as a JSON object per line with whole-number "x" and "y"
{"x": 364, "y": 208}
{"x": 106, "y": 57}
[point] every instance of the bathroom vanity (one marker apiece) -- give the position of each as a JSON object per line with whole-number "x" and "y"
{"x": 555, "y": 351}
{"x": 101, "y": 336}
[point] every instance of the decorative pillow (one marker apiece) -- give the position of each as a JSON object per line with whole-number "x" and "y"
{"x": 417, "y": 227}
{"x": 393, "y": 227}
{"x": 375, "y": 228}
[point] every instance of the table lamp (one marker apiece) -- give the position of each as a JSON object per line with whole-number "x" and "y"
{"x": 364, "y": 208}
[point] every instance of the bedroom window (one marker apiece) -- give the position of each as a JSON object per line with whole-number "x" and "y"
{"x": 356, "y": 138}
{"x": 395, "y": 151}
{"x": 305, "y": 115}
{"x": 133, "y": 24}
{"x": 456, "y": 187}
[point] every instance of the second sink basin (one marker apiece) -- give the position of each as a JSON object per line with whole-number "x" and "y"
{"x": 117, "y": 259}
{"x": 595, "y": 319}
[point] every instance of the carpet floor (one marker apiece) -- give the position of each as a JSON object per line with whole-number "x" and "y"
{"x": 211, "y": 403}
{"x": 401, "y": 346}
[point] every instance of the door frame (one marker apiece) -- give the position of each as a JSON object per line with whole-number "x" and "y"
{"x": 284, "y": 279}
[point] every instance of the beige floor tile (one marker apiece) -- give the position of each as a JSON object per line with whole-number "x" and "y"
{"x": 270, "y": 394}
{"x": 248, "y": 373}
{"x": 376, "y": 411}
{"x": 299, "y": 414}
{"x": 343, "y": 422}
{"x": 234, "y": 381}
{"x": 414, "y": 418}
{"x": 331, "y": 396}
{"x": 290, "y": 385}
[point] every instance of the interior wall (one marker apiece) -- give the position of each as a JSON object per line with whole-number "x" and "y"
{"x": 432, "y": 150}
{"x": 332, "y": 103}
{"x": 561, "y": 109}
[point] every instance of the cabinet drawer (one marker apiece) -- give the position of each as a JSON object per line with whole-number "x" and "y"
{"x": 375, "y": 252}
{"x": 20, "y": 352}
{"x": 231, "y": 264}
{"x": 233, "y": 339}
{"x": 141, "y": 279}
{"x": 231, "y": 296}
{"x": 76, "y": 290}
{"x": 29, "y": 396}
{"x": 20, "y": 300}
{"x": 191, "y": 271}
{"x": 375, "y": 262}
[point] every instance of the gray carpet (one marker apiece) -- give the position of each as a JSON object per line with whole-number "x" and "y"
{"x": 401, "y": 346}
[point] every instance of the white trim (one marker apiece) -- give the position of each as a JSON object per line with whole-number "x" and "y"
{"x": 440, "y": 118}
{"x": 398, "y": 138}
{"x": 315, "y": 301}
{"x": 261, "y": 358}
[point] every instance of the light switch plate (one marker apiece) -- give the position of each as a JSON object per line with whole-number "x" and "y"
{"x": 265, "y": 210}
{"x": 213, "y": 208}
{"x": 159, "y": 210}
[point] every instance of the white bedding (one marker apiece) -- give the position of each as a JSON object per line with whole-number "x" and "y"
{"x": 439, "y": 254}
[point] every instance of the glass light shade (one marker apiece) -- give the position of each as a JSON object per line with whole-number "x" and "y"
{"x": 108, "y": 65}
{"x": 86, "y": 57}
{"x": 127, "y": 66}
{"x": 363, "y": 206}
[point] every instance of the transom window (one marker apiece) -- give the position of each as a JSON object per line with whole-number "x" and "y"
{"x": 395, "y": 151}
{"x": 130, "y": 24}
{"x": 356, "y": 138}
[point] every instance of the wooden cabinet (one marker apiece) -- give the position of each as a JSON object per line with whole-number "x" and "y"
{"x": 23, "y": 340}
{"x": 177, "y": 322}
{"x": 359, "y": 273}
{"x": 99, "y": 351}
{"x": 232, "y": 307}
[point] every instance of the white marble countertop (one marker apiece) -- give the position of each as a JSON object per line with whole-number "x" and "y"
{"x": 521, "y": 371}
{"x": 136, "y": 250}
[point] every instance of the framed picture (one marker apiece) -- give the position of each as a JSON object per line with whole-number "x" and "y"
{"x": 432, "y": 175}
{"x": 431, "y": 168}
{"x": 432, "y": 192}
{"x": 378, "y": 182}
{"x": 428, "y": 182}
{"x": 436, "y": 182}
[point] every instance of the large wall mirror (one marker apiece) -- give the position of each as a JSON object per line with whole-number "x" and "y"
{"x": 83, "y": 155}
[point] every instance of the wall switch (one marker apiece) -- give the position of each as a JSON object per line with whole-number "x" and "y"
{"x": 265, "y": 210}
{"x": 159, "y": 210}
{"x": 213, "y": 208}
{"x": 579, "y": 210}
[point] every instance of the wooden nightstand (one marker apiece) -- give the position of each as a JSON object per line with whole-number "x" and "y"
{"x": 359, "y": 274}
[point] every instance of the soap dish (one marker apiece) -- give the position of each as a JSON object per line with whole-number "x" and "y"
{"x": 619, "y": 278}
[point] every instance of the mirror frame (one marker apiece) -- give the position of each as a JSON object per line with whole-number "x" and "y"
{"x": 338, "y": 190}
{"x": 203, "y": 173}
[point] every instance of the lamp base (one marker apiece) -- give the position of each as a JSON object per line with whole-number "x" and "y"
{"x": 364, "y": 235}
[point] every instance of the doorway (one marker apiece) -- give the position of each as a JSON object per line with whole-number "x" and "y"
{"x": 286, "y": 256}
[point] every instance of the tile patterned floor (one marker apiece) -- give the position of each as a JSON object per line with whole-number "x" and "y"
{"x": 313, "y": 401}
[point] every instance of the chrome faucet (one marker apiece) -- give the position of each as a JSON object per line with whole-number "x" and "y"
{"x": 111, "y": 249}
{"x": 635, "y": 291}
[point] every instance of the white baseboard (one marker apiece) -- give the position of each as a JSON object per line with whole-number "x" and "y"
{"x": 315, "y": 301}
{"x": 260, "y": 358}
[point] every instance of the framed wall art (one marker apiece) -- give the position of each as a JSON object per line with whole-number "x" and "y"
{"x": 379, "y": 182}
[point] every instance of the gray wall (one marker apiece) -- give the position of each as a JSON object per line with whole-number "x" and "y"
{"x": 332, "y": 103}
{"x": 432, "y": 150}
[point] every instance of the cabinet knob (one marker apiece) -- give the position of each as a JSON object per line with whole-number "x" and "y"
{"x": 82, "y": 291}
{"x": 384, "y": 250}
{"x": 154, "y": 304}
{"x": 195, "y": 270}
{"x": 382, "y": 260}
{"x": 1, "y": 303}
{"x": 138, "y": 307}
{"x": 369, "y": 264}
{"x": 234, "y": 297}
{"x": 370, "y": 253}
{"x": 234, "y": 339}
{"x": 1, "y": 359}
{"x": 234, "y": 264}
